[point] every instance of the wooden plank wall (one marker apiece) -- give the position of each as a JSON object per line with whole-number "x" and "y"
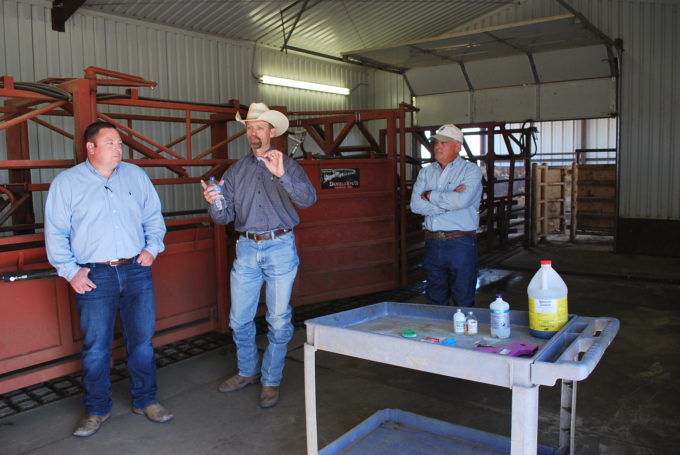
{"x": 594, "y": 205}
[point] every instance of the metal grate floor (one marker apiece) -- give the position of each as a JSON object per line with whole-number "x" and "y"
{"x": 67, "y": 386}
{"x": 70, "y": 385}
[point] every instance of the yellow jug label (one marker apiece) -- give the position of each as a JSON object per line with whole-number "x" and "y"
{"x": 547, "y": 315}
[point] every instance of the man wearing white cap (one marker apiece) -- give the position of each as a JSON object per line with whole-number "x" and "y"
{"x": 261, "y": 192}
{"x": 448, "y": 193}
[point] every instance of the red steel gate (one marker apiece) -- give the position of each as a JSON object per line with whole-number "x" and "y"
{"x": 350, "y": 241}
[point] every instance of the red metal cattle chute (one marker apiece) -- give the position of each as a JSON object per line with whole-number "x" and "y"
{"x": 39, "y": 335}
{"x": 349, "y": 241}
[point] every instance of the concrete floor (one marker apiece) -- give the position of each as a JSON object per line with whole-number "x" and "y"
{"x": 630, "y": 404}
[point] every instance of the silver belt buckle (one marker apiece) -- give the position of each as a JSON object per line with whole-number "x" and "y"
{"x": 440, "y": 236}
{"x": 112, "y": 262}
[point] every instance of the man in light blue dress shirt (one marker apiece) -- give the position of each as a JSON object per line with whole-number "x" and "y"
{"x": 103, "y": 230}
{"x": 448, "y": 193}
{"x": 261, "y": 192}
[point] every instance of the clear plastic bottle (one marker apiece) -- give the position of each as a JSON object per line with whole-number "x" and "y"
{"x": 471, "y": 324}
{"x": 218, "y": 203}
{"x": 459, "y": 322}
{"x": 548, "y": 310}
{"x": 500, "y": 318}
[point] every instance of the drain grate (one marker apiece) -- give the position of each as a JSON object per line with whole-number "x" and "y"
{"x": 70, "y": 385}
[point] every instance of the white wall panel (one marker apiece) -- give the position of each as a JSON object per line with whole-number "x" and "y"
{"x": 437, "y": 79}
{"x": 577, "y": 99}
{"x": 554, "y": 101}
{"x": 444, "y": 108}
{"x": 498, "y": 72}
{"x": 575, "y": 63}
{"x": 386, "y": 90}
{"x": 511, "y": 103}
{"x": 600, "y": 133}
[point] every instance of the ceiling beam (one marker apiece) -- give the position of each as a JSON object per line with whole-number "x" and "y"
{"x": 297, "y": 19}
{"x": 62, "y": 10}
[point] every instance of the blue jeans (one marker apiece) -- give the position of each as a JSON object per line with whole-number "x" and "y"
{"x": 127, "y": 288}
{"x": 451, "y": 270}
{"x": 275, "y": 263}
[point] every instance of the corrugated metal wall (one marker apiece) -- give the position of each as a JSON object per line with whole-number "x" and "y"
{"x": 556, "y": 142}
{"x": 649, "y": 145}
{"x": 187, "y": 67}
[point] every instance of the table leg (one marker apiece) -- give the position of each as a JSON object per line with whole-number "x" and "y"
{"x": 524, "y": 433}
{"x": 310, "y": 400}
{"x": 567, "y": 418}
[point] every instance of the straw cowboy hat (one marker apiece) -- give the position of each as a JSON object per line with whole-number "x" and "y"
{"x": 260, "y": 111}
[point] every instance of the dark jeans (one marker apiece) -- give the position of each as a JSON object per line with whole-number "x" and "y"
{"x": 451, "y": 270}
{"x": 126, "y": 288}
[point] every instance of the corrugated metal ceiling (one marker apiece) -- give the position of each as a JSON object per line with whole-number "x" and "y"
{"x": 328, "y": 27}
{"x": 525, "y": 38}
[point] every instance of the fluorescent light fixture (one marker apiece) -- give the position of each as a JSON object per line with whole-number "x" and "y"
{"x": 304, "y": 85}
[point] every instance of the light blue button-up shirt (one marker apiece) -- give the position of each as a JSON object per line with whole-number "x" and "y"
{"x": 89, "y": 218}
{"x": 448, "y": 210}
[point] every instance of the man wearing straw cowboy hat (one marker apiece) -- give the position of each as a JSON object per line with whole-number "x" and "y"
{"x": 262, "y": 191}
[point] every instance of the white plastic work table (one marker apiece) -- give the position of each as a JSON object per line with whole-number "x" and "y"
{"x": 374, "y": 333}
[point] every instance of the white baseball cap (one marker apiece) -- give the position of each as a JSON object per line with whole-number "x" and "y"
{"x": 449, "y": 132}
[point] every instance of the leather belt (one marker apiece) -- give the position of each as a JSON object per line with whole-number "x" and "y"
{"x": 265, "y": 235}
{"x": 441, "y": 236}
{"x": 115, "y": 262}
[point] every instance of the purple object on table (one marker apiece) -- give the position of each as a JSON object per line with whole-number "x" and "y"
{"x": 515, "y": 349}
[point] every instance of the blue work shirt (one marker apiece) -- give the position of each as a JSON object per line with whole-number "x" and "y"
{"x": 258, "y": 201}
{"x": 89, "y": 218}
{"x": 447, "y": 210}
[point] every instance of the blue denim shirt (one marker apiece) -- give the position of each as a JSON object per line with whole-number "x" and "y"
{"x": 89, "y": 218}
{"x": 257, "y": 201}
{"x": 448, "y": 210}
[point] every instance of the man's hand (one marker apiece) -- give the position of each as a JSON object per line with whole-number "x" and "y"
{"x": 273, "y": 160}
{"x": 460, "y": 188}
{"x": 209, "y": 194}
{"x": 145, "y": 258}
{"x": 80, "y": 282}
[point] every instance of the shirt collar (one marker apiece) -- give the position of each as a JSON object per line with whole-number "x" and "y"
{"x": 91, "y": 168}
{"x": 452, "y": 163}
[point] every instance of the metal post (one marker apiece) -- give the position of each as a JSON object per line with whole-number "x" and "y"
{"x": 310, "y": 400}
{"x": 567, "y": 418}
{"x": 491, "y": 214}
{"x": 574, "y": 201}
{"x": 222, "y": 276}
{"x": 84, "y": 103}
{"x": 18, "y": 149}
{"x": 524, "y": 432}
{"x": 528, "y": 194}
{"x": 403, "y": 201}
